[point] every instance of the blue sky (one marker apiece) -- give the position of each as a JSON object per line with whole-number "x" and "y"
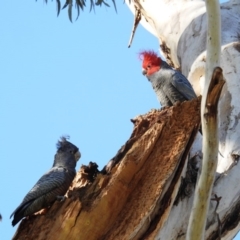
{"x": 58, "y": 78}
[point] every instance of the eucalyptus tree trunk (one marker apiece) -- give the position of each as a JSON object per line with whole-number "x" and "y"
{"x": 181, "y": 27}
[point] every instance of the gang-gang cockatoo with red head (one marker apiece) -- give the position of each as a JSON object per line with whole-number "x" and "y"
{"x": 169, "y": 85}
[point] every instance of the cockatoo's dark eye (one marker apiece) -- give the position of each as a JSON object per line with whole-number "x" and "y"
{"x": 149, "y": 66}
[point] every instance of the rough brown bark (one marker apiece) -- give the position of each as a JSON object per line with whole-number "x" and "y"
{"x": 132, "y": 197}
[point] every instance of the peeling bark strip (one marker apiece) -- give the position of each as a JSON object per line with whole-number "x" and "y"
{"x": 214, "y": 92}
{"x": 135, "y": 198}
{"x": 137, "y": 19}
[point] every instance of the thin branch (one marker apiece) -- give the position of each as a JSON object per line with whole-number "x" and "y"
{"x": 212, "y": 89}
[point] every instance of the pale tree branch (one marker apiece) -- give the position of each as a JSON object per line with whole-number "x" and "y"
{"x": 211, "y": 93}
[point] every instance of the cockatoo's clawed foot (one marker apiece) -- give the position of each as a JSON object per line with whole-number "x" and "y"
{"x": 61, "y": 198}
{"x": 44, "y": 211}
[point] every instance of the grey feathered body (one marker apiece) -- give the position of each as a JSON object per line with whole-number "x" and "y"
{"x": 52, "y": 184}
{"x": 171, "y": 86}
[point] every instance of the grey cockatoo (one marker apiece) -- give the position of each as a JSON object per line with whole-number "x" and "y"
{"x": 169, "y": 85}
{"x": 53, "y": 184}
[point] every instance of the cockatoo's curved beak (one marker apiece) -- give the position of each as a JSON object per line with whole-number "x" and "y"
{"x": 144, "y": 71}
{"x": 77, "y": 155}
